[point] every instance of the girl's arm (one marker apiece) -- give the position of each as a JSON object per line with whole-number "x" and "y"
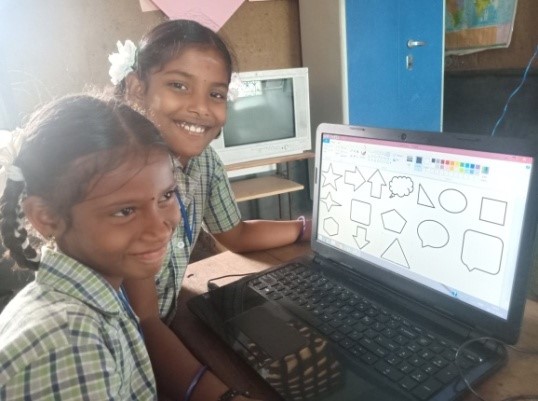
{"x": 257, "y": 235}
{"x": 173, "y": 364}
{"x": 221, "y": 212}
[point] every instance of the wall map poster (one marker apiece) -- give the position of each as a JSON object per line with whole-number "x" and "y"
{"x": 474, "y": 25}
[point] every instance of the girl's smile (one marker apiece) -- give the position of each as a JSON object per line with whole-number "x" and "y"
{"x": 186, "y": 99}
{"x": 153, "y": 256}
{"x": 193, "y": 128}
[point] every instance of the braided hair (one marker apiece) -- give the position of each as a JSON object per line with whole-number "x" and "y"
{"x": 165, "y": 41}
{"x": 55, "y": 138}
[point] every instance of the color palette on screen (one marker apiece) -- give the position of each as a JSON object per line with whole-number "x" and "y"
{"x": 461, "y": 167}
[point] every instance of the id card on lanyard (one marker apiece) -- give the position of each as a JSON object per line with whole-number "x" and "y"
{"x": 188, "y": 228}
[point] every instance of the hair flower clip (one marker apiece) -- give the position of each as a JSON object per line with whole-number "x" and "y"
{"x": 10, "y": 145}
{"x": 122, "y": 62}
{"x": 233, "y": 88}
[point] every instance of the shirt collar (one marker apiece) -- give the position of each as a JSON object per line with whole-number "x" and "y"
{"x": 68, "y": 276}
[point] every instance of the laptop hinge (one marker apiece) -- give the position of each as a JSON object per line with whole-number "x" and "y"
{"x": 489, "y": 341}
{"x": 320, "y": 260}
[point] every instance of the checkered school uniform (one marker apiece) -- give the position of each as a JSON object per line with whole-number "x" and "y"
{"x": 207, "y": 196}
{"x": 67, "y": 336}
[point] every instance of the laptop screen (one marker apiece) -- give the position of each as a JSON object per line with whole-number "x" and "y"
{"x": 446, "y": 218}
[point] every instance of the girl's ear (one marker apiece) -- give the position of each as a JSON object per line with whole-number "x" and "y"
{"x": 42, "y": 217}
{"x": 135, "y": 89}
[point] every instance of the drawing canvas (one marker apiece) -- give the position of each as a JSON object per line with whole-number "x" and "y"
{"x": 405, "y": 207}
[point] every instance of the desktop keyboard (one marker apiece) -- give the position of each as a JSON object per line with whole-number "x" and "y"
{"x": 414, "y": 358}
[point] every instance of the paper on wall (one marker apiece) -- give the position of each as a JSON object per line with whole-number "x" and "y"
{"x": 147, "y": 5}
{"x": 210, "y": 13}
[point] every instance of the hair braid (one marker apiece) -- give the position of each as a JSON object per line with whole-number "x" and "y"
{"x": 14, "y": 235}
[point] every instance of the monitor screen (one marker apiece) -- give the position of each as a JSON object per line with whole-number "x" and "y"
{"x": 266, "y": 105}
{"x": 268, "y": 116}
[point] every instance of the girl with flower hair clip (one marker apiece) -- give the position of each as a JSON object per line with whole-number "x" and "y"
{"x": 95, "y": 179}
{"x": 179, "y": 76}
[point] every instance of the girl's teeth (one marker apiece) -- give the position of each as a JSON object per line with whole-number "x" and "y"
{"x": 192, "y": 128}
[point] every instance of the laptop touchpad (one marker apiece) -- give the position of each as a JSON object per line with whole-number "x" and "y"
{"x": 269, "y": 332}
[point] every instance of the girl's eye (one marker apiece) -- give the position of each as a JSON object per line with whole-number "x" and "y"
{"x": 178, "y": 85}
{"x": 220, "y": 95}
{"x": 127, "y": 211}
{"x": 168, "y": 195}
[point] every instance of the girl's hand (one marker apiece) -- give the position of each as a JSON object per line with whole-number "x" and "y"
{"x": 307, "y": 231}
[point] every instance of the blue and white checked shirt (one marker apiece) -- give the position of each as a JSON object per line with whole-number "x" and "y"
{"x": 67, "y": 336}
{"x": 206, "y": 193}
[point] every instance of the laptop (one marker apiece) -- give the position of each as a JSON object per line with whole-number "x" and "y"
{"x": 422, "y": 245}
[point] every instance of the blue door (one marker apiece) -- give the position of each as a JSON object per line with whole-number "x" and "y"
{"x": 395, "y": 63}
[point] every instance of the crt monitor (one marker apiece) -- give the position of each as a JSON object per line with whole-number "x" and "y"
{"x": 269, "y": 116}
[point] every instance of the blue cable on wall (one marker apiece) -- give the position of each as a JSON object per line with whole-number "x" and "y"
{"x": 515, "y": 91}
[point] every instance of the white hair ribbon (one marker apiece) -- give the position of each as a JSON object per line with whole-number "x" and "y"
{"x": 10, "y": 145}
{"x": 122, "y": 62}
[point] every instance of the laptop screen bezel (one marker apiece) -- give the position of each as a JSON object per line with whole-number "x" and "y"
{"x": 507, "y": 329}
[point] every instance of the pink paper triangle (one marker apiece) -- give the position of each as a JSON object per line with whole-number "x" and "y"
{"x": 211, "y": 13}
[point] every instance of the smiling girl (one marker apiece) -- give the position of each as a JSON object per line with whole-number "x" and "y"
{"x": 94, "y": 178}
{"x": 179, "y": 78}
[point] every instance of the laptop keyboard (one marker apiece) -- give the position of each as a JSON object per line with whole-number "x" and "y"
{"x": 414, "y": 358}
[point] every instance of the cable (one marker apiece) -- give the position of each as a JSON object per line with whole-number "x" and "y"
{"x": 499, "y": 344}
{"x": 212, "y": 286}
{"x": 515, "y": 91}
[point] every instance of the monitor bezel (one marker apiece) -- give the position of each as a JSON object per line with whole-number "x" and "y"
{"x": 300, "y": 142}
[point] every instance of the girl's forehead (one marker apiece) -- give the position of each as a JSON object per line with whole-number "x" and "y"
{"x": 124, "y": 170}
{"x": 194, "y": 56}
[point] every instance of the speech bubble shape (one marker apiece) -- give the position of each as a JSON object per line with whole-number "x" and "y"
{"x": 401, "y": 186}
{"x": 473, "y": 255}
{"x": 432, "y": 234}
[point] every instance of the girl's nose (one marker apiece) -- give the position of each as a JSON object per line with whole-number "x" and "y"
{"x": 198, "y": 104}
{"x": 160, "y": 222}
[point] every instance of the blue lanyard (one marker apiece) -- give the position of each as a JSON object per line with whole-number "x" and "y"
{"x": 185, "y": 217}
{"x": 125, "y": 301}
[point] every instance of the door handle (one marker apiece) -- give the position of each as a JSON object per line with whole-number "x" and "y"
{"x": 415, "y": 43}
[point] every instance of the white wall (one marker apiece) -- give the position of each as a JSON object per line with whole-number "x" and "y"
{"x": 55, "y": 47}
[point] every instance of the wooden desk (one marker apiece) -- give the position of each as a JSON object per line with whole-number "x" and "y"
{"x": 519, "y": 376}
